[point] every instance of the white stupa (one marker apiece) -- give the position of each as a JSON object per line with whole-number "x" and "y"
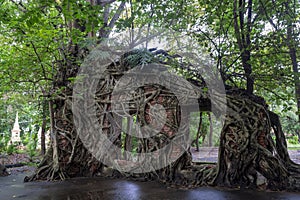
{"x": 15, "y": 132}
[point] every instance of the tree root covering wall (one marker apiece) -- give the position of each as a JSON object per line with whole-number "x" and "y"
{"x": 247, "y": 145}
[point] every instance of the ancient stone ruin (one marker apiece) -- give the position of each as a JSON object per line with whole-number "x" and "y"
{"x": 247, "y": 148}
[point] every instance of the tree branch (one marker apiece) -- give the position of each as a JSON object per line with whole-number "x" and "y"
{"x": 266, "y": 14}
{"x": 117, "y": 15}
{"x": 106, "y": 29}
{"x": 236, "y": 25}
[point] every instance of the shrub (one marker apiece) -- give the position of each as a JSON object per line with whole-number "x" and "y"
{"x": 293, "y": 140}
{"x": 11, "y": 148}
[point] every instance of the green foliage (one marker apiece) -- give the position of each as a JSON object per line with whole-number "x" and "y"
{"x": 30, "y": 140}
{"x": 293, "y": 140}
{"x": 36, "y": 38}
{"x": 205, "y": 130}
{"x": 282, "y": 102}
{"x": 11, "y": 149}
{"x": 4, "y": 139}
{"x": 138, "y": 57}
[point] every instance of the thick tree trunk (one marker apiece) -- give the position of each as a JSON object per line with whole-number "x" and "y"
{"x": 242, "y": 136}
{"x": 247, "y": 148}
{"x": 67, "y": 156}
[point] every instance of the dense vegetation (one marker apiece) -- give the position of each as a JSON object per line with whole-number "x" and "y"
{"x": 254, "y": 43}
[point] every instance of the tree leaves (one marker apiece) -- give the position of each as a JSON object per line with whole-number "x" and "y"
{"x": 36, "y": 35}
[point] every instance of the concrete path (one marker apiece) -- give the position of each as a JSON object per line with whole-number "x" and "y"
{"x": 12, "y": 187}
{"x": 210, "y": 154}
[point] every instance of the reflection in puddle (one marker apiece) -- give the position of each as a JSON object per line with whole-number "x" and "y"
{"x": 203, "y": 194}
{"x": 129, "y": 190}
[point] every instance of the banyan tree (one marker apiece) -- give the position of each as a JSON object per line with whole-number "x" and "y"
{"x": 252, "y": 142}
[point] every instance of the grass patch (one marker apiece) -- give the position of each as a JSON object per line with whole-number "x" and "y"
{"x": 293, "y": 146}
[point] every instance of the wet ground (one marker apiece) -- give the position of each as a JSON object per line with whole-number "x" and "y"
{"x": 12, "y": 187}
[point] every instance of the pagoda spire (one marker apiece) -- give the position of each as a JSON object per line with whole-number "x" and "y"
{"x": 15, "y": 132}
{"x": 16, "y": 124}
